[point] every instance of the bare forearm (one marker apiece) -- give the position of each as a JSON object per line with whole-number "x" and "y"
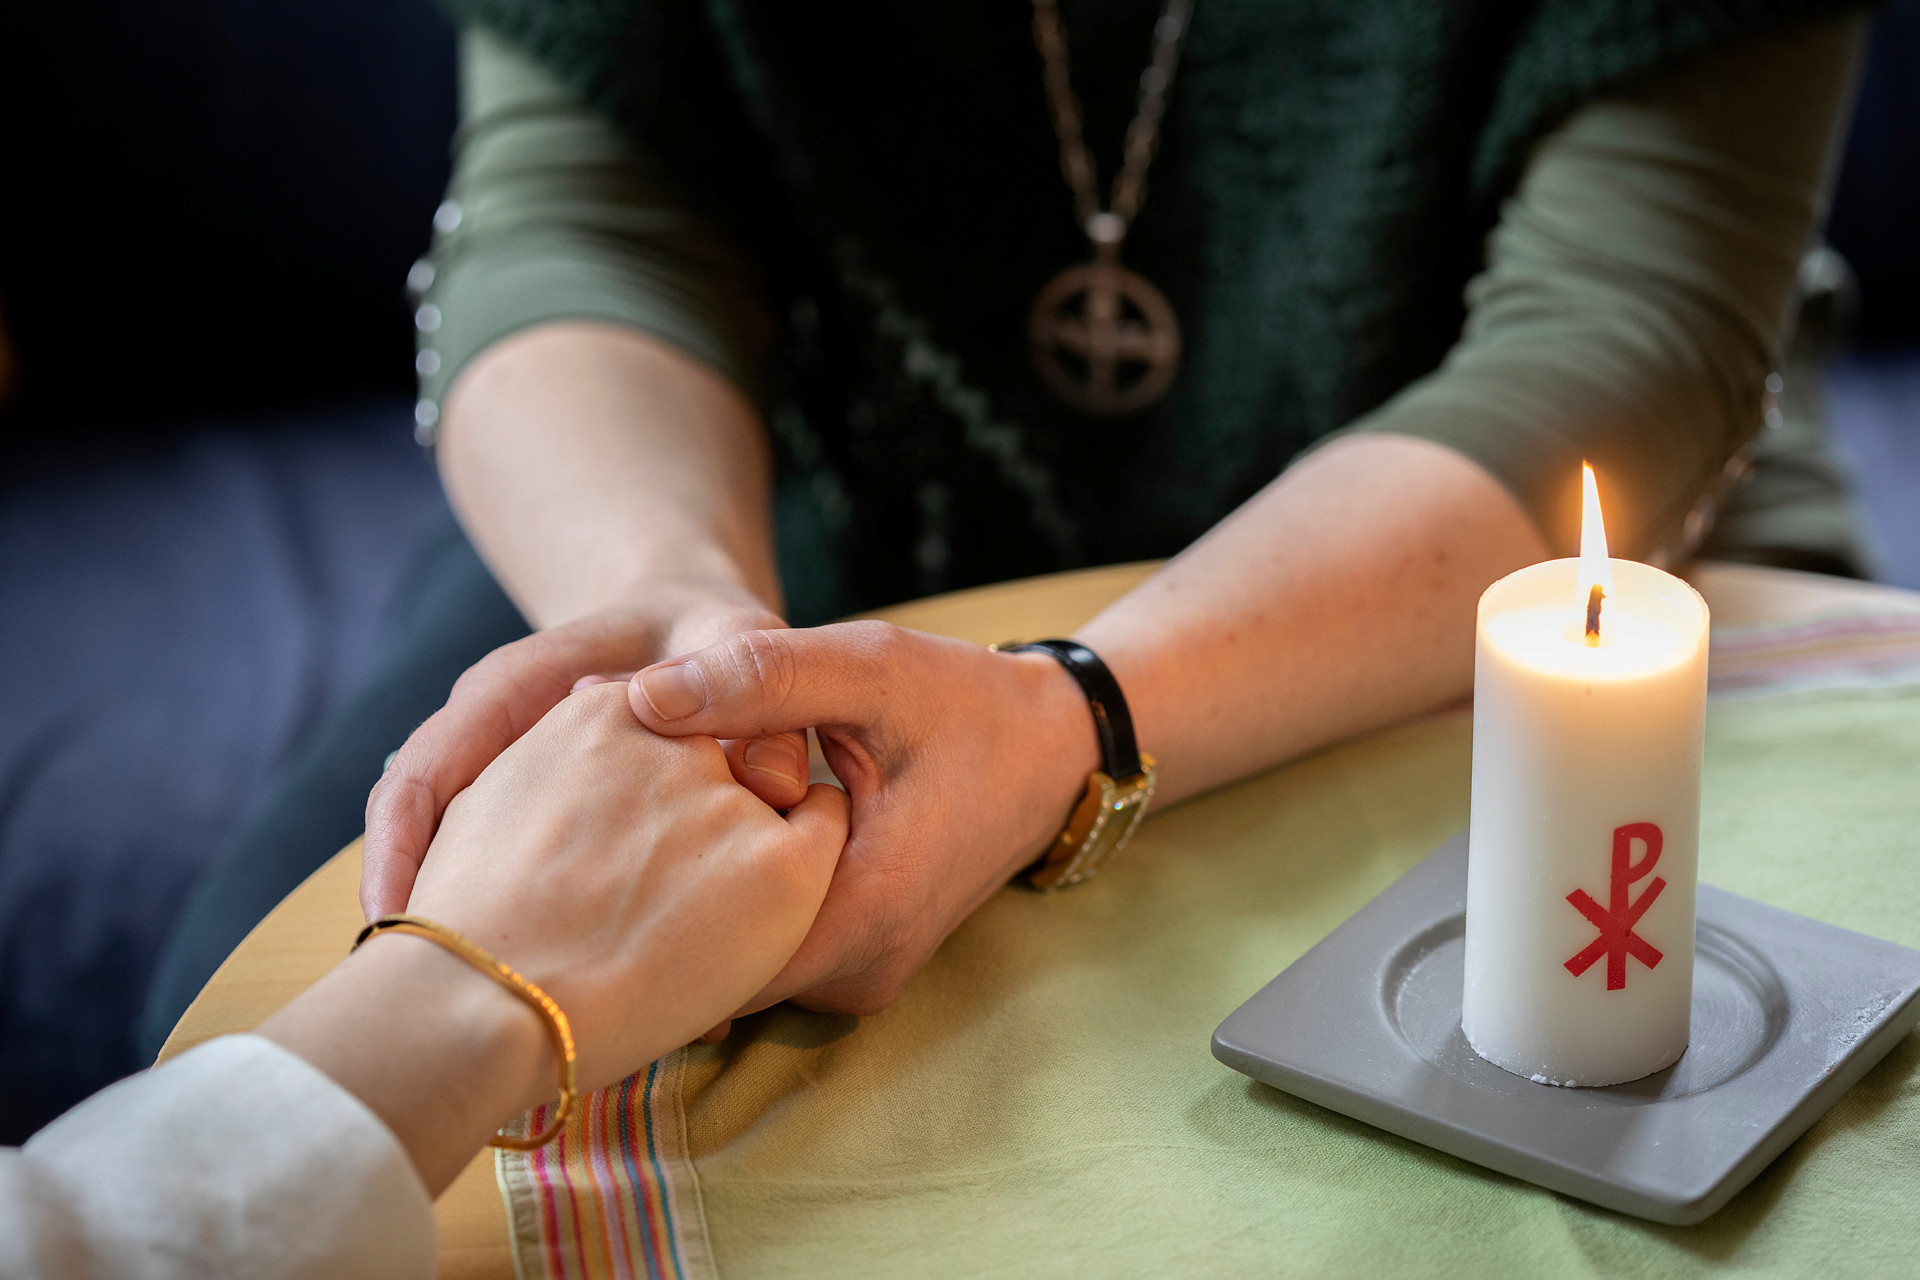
{"x": 1340, "y": 598}
{"x": 1628, "y": 314}
{"x": 584, "y": 459}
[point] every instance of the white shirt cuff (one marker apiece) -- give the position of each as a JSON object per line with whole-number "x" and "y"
{"x": 236, "y": 1158}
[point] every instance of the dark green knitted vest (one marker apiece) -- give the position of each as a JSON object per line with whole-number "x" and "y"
{"x": 1328, "y": 172}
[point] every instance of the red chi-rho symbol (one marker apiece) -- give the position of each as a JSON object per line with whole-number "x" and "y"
{"x": 1616, "y": 920}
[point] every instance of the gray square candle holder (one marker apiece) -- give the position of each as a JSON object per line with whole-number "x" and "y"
{"x": 1787, "y": 1014}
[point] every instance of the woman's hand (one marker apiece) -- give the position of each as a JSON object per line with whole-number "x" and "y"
{"x": 503, "y": 695}
{"x": 628, "y": 875}
{"x": 961, "y": 766}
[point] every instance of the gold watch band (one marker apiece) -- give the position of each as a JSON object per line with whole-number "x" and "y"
{"x": 1100, "y": 826}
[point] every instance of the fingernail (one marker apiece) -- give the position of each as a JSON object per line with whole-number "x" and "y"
{"x": 674, "y": 692}
{"x": 776, "y": 756}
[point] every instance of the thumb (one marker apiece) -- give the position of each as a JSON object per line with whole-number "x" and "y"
{"x": 821, "y": 822}
{"x": 496, "y": 700}
{"x": 775, "y": 769}
{"x": 759, "y": 683}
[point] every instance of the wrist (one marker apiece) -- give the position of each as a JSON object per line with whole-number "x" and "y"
{"x": 1151, "y": 673}
{"x": 709, "y": 609}
{"x": 660, "y": 580}
{"x": 489, "y": 1035}
{"x": 695, "y": 609}
{"x": 1117, "y": 795}
{"x": 438, "y": 1051}
{"x": 1062, "y": 746}
{"x": 720, "y": 585}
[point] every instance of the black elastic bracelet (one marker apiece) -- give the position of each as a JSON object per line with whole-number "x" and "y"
{"x": 1112, "y": 722}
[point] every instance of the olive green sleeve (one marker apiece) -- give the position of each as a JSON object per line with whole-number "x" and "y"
{"x": 553, "y": 215}
{"x": 1639, "y": 289}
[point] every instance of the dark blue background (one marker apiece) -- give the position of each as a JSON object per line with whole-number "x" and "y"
{"x": 209, "y": 493}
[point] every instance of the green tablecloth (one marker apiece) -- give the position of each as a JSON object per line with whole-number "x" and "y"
{"x": 1042, "y": 1101}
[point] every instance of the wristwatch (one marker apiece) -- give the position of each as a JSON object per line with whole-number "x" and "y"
{"x": 1117, "y": 793}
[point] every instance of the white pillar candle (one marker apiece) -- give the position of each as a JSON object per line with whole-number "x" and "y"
{"x": 1586, "y": 817}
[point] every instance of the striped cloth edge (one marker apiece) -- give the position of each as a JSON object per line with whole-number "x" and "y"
{"x": 614, "y": 1196}
{"x": 1837, "y": 651}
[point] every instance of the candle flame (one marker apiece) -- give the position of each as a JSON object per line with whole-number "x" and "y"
{"x": 1596, "y": 570}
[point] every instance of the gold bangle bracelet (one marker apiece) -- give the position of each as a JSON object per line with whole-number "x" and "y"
{"x": 558, "y": 1029}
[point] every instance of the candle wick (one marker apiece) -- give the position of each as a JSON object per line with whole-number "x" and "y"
{"x": 1594, "y": 597}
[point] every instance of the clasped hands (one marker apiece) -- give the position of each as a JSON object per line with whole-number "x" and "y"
{"x": 959, "y": 764}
